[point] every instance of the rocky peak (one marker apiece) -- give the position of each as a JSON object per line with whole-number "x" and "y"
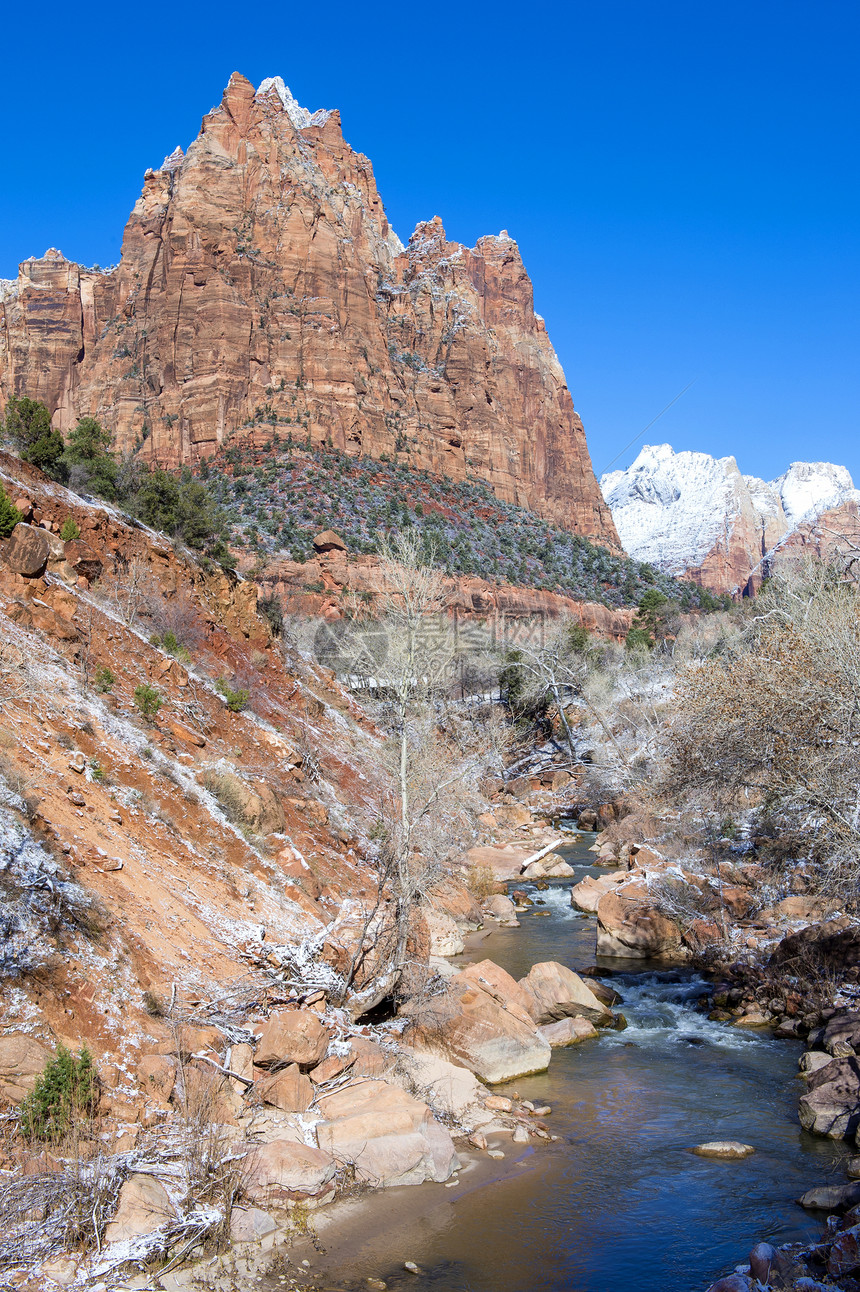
{"x": 300, "y": 117}
{"x": 692, "y": 513}
{"x": 259, "y": 271}
{"x": 174, "y": 160}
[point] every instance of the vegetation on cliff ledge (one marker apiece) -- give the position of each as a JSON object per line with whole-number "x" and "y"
{"x": 279, "y": 496}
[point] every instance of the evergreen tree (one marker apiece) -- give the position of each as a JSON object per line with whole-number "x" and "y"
{"x": 28, "y": 426}
{"x": 88, "y": 459}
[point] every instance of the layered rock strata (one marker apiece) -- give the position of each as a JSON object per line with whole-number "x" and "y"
{"x": 260, "y": 279}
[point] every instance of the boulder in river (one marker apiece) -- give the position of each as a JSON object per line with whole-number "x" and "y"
{"x": 629, "y": 926}
{"x": 831, "y": 1197}
{"x": 568, "y": 1031}
{"x": 831, "y": 1104}
{"x": 502, "y": 909}
{"x": 483, "y": 1022}
{"x": 587, "y": 893}
{"x": 812, "y": 1060}
{"x": 553, "y": 991}
{"x": 727, "y": 1149}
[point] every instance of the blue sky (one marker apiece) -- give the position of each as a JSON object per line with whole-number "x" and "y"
{"x": 682, "y": 178}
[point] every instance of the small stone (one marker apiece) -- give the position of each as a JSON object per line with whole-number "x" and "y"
{"x": 498, "y": 1103}
{"x": 379, "y": 1285}
{"x": 77, "y": 762}
{"x": 754, "y": 1019}
{"x": 412, "y": 1267}
{"x": 496, "y": 1153}
{"x": 477, "y": 1140}
{"x": 723, "y": 1148}
{"x": 543, "y": 1110}
{"x": 852, "y": 1166}
{"x": 520, "y": 1135}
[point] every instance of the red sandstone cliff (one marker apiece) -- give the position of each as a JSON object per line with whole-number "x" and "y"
{"x": 259, "y": 276}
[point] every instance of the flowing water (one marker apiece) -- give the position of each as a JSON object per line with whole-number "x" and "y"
{"x": 619, "y": 1201}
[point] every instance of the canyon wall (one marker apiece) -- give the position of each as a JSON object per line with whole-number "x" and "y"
{"x": 260, "y": 282}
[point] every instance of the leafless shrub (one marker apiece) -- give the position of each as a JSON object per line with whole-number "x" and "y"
{"x": 176, "y": 614}
{"x": 66, "y": 1208}
{"x": 127, "y": 588}
{"x": 769, "y": 724}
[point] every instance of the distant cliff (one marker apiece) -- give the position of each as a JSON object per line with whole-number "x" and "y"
{"x": 260, "y": 282}
{"x": 690, "y": 513}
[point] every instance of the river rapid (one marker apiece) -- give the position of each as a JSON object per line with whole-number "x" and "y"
{"x": 618, "y": 1201}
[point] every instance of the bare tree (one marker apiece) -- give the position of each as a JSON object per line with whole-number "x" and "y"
{"x": 402, "y": 662}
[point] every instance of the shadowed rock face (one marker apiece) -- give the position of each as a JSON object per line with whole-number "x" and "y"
{"x": 259, "y": 270}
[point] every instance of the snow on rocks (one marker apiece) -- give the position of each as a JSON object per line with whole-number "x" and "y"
{"x": 677, "y": 510}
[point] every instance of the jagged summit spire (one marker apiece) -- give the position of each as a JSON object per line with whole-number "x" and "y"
{"x": 173, "y": 160}
{"x": 300, "y": 117}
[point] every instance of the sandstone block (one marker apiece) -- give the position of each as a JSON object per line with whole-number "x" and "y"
{"x": 289, "y": 1090}
{"x": 22, "y": 1060}
{"x": 143, "y": 1207}
{"x": 283, "y": 1171}
{"x": 568, "y": 1031}
{"x": 26, "y": 551}
{"x": 292, "y": 1036}
{"x": 553, "y": 991}
{"x": 389, "y": 1136}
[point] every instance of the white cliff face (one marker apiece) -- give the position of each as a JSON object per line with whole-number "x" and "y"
{"x": 692, "y": 512}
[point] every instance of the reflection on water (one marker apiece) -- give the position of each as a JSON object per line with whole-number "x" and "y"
{"x": 619, "y": 1201}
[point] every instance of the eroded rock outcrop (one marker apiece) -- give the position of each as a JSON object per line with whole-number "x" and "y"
{"x": 259, "y": 276}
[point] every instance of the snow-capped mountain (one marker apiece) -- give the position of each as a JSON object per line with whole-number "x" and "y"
{"x": 692, "y": 513}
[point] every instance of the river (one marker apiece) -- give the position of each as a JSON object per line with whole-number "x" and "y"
{"x": 618, "y": 1201}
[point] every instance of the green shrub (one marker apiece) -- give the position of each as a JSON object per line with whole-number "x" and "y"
{"x": 184, "y": 508}
{"x": 66, "y": 1091}
{"x": 235, "y": 700}
{"x": 171, "y": 643}
{"x": 638, "y": 639}
{"x": 103, "y": 679}
{"x": 148, "y": 700}
{"x": 70, "y": 530}
{"x": 9, "y": 515}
